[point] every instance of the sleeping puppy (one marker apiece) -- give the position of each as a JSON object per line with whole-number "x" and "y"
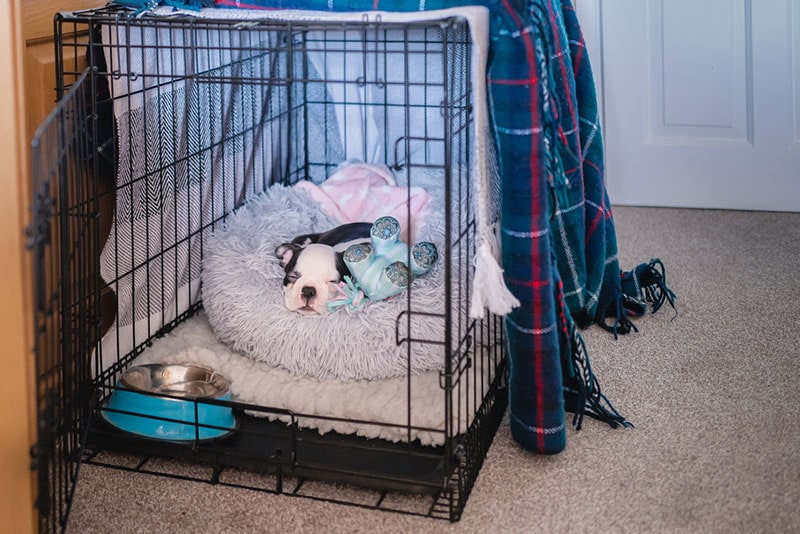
{"x": 314, "y": 265}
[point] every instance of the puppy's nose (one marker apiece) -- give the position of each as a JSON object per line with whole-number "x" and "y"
{"x": 308, "y": 292}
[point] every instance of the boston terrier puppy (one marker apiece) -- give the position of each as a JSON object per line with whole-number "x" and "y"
{"x": 314, "y": 266}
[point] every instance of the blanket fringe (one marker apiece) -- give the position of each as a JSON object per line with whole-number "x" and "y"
{"x": 647, "y": 283}
{"x": 350, "y": 295}
{"x": 590, "y": 400}
{"x": 489, "y": 288}
{"x": 622, "y": 325}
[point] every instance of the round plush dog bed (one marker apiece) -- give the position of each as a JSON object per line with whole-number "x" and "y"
{"x": 243, "y": 297}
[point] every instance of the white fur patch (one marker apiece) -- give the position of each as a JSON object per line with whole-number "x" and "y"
{"x": 316, "y": 267}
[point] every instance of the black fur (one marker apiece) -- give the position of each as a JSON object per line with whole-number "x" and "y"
{"x": 341, "y": 266}
{"x": 340, "y": 234}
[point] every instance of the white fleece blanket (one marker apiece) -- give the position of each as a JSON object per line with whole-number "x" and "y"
{"x": 379, "y": 401}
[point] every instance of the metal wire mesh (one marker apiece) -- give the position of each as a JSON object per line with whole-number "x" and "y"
{"x": 178, "y": 123}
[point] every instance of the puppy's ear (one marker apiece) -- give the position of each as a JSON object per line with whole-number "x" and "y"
{"x": 306, "y": 239}
{"x": 286, "y": 252}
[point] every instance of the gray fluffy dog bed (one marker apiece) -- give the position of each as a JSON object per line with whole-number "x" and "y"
{"x": 243, "y": 296}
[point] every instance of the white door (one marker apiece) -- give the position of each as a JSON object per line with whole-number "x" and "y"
{"x": 701, "y": 100}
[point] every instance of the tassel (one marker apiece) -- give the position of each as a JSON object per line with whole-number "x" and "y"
{"x": 350, "y": 295}
{"x": 622, "y": 325}
{"x": 647, "y": 283}
{"x": 489, "y": 288}
{"x": 591, "y": 401}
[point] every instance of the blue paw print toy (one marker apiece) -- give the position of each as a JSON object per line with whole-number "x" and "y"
{"x": 379, "y": 269}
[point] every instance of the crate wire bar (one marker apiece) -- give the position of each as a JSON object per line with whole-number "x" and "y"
{"x": 219, "y": 111}
{"x": 63, "y": 241}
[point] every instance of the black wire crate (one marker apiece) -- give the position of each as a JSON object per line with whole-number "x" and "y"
{"x": 197, "y": 127}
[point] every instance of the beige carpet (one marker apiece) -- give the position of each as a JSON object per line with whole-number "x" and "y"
{"x": 714, "y": 394}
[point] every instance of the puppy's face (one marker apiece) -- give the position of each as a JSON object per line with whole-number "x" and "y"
{"x": 312, "y": 272}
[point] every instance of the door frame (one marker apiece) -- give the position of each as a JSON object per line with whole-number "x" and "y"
{"x": 16, "y": 328}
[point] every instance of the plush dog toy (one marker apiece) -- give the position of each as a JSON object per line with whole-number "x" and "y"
{"x": 380, "y": 269}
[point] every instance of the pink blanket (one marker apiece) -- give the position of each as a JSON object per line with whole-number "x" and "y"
{"x": 362, "y": 192}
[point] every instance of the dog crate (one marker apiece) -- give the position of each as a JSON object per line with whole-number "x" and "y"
{"x": 168, "y": 129}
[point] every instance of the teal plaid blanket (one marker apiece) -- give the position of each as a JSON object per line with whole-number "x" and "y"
{"x": 558, "y": 237}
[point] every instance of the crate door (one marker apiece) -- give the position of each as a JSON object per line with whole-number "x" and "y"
{"x": 63, "y": 238}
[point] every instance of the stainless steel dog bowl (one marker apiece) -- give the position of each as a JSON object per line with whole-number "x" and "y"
{"x": 165, "y": 402}
{"x": 194, "y": 382}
